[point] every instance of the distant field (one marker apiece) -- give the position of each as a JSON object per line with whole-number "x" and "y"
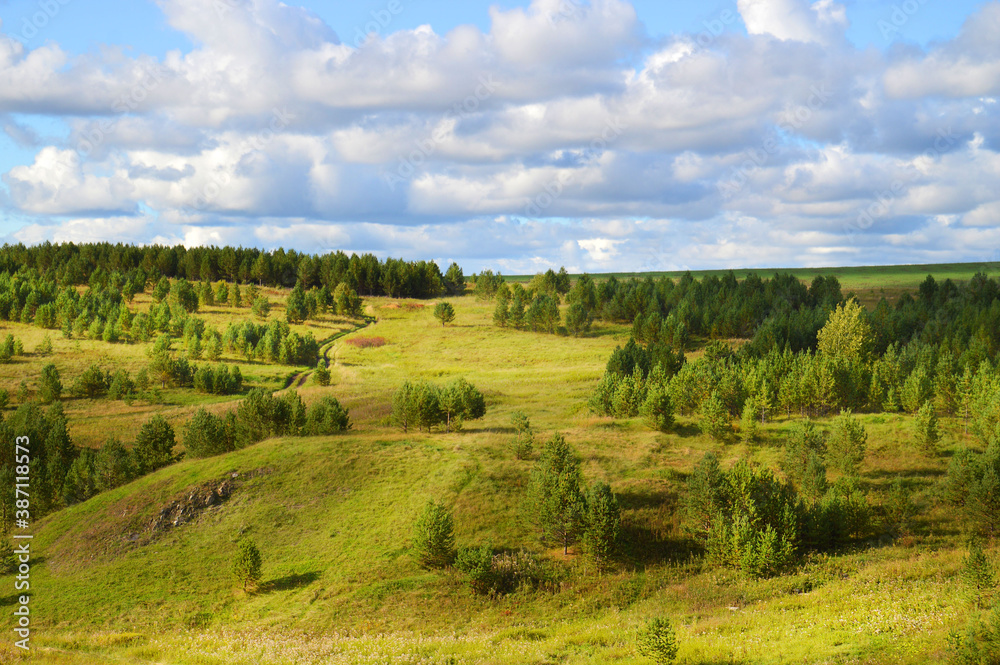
{"x": 858, "y": 278}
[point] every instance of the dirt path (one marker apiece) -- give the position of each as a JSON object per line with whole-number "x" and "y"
{"x": 299, "y": 379}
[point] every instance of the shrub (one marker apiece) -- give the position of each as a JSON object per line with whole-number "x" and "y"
{"x": 326, "y": 417}
{"x": 498, "y": 573}
{"x": 434, "y": 536}
{"x": 367, "y": 342}
{"x": 247, "y": 564}
{"x": 658, "y": 641}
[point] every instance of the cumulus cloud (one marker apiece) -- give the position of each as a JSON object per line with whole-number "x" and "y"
{"x": 561, "y": 135}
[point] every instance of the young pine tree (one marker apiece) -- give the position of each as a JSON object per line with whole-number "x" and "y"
{"x": 247, "y": 565}
{"x": 434, "y": 536}
{"x": 555, "y": 496}
{"x": 603, "y": 525}
{"x": 847, "y": 443}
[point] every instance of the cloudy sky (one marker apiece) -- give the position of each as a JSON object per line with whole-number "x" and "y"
{"x": 602, "y": 135}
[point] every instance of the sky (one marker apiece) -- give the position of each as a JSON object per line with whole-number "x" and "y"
{"x": 518, "y": 136}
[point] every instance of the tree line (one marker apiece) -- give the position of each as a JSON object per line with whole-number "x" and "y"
{"x": 70, "y": 264}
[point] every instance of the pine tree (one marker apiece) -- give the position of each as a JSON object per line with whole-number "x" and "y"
{"x": 556, "y": 497}
{"x": 847, "y": 443}
{"x": 322, "y": 374}
{"x": 434, "y": 536}
{"x": 715, "y": 419}
{"x": 444, "y": 313}
{"x": 247, "y": 564}
{"x": 603, "y": 524}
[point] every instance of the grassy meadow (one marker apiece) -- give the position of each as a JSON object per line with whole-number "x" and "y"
{"x": 333, "y": 518}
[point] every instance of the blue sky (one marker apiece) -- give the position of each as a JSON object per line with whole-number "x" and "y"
{"x": 598, "y": 135}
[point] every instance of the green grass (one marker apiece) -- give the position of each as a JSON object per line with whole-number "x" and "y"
{"x": 333, "y": 516}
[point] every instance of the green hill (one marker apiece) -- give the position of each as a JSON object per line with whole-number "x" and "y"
{"x": 333, "y": 518}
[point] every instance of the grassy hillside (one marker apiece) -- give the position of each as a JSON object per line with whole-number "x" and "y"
{"x": 869, "y": 282}
{"x": 333, "y": 518}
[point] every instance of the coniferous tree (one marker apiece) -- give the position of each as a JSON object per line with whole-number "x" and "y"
{"x": 434, "y": 536}
{"x": 603, "y": 528}
{"x": 556, "y": 496}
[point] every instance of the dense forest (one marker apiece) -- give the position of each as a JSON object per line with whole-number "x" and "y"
{"x": 95, "y": 264}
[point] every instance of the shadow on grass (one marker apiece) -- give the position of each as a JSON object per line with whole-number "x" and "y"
{"x": 289, "y": 582}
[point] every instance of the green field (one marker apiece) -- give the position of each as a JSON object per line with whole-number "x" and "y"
{"x": 333, "y": 517}
{"x": 852, "y": 278}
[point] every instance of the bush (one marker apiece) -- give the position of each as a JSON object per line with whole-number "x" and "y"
{"x": 499, "y": 573}
{"x": 658, "y": 641}
{"x": 326, "y": 417}
{"x": 247, "y": 565}
{"x": 434, "y": 536}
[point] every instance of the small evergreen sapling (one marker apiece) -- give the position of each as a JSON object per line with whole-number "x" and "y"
{"x": 658, "y": 641}
{"x": 434, "y": 536}
{"x": 247, "y": 565}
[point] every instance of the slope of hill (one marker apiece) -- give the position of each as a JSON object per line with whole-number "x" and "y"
{"x": 333, "y": 517}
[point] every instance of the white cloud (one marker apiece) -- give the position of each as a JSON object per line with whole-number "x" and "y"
{"x": 758, "y": 150}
